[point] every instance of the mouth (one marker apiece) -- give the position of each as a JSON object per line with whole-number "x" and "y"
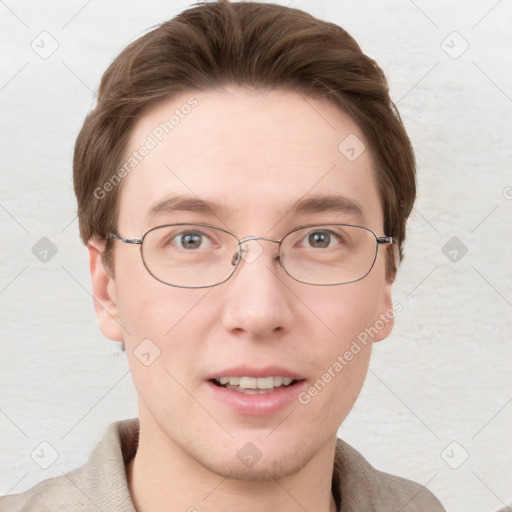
{"x": 252, "y": 391}
{"x": 255, "y": 385}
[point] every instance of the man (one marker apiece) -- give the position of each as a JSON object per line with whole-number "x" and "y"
{"x": 243, "y": 185}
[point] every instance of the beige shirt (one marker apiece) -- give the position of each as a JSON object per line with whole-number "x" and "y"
{"x": 101, "y": 484}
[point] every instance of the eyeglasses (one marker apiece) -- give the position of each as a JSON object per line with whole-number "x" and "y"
{"x": 201, "y": 255}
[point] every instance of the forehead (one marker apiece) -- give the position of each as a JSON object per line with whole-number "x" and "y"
{"x": 254, "y": 156}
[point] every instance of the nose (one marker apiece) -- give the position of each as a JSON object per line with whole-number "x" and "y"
{"x": 257, "y": 302}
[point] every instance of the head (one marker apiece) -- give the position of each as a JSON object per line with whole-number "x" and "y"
{"x": 243, "y": 110}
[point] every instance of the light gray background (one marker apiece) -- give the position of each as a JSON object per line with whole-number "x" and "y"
{"x": 442, "y": 377}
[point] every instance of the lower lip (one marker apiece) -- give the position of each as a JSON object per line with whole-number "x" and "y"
{"x": 264, "y": 404}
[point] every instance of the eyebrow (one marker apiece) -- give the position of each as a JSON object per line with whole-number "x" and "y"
{"x": 326, "y": 204}
{"x": 185, "y": 204}
{"x": 309, "y": 205}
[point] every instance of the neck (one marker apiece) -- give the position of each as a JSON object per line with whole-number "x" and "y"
{"x": 164, "y": 478}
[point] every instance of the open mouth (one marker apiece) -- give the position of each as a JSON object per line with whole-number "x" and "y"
{"x": 254, "y": 385}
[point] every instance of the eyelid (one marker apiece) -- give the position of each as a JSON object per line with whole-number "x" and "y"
{"x": 195, "y": 230}
{"x": 185, "y": 232}
{"x": 325, "y": 229}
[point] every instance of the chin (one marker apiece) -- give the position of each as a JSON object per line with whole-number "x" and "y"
{"x": 263, "y": 470}
{"x": 249, "y": 463}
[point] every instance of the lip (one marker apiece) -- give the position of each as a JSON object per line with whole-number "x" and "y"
{"x": 266, "y": 404}
{"x": 247, "y": 371}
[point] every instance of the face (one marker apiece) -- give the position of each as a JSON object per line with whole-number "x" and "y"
{"x": 253, "y": 156}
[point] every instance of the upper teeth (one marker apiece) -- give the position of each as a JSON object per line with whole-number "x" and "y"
{"x": 256, "y": 382}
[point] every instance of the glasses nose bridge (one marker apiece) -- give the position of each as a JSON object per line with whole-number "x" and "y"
{"x": 249, "y": 238}
{"x": 240, "y": 250}
{"x": 246, "y": 239}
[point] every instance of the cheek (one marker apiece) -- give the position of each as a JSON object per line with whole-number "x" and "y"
{"x": 149, "y": 309}
{"x": 351, "y": 308}
{"x": 342, "y": 358}
{"x": 166, "y": 328}
{"x": 346, "y": 353}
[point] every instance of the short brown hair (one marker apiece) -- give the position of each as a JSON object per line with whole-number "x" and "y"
{"x": 247, "y": 44}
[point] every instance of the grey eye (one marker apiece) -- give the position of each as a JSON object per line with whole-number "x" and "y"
{"x": 319, "y": 239}
{"x": 190, "y": 240}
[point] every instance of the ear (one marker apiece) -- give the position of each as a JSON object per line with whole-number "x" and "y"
{"x": 386, "y": 311}
{"x": 103, "y": 290}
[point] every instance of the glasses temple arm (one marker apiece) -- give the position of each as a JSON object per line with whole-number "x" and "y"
{"x": 125, "y": 240}
{"x": 385, "y": 240}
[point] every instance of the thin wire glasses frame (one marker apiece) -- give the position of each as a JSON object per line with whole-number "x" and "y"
{"x": 239, "y": 251}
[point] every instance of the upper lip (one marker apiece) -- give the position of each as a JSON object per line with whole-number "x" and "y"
{"x": 247, "y": 371}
